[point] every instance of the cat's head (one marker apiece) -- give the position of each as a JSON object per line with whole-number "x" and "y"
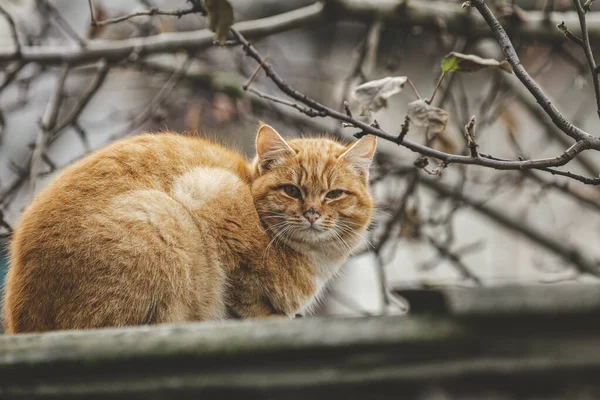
{"x": 313, "y": 192}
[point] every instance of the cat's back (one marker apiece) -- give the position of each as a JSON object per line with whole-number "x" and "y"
{"x": 147, "y": 161}
{"x": 106, "y": 206}
{"x": 90, "y": 186}
{"x": 144, "y": 161}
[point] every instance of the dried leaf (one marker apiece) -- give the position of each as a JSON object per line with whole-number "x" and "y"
{"x": 421, "y": 162}
{"x": 426, "y": 115}
{"x": 471, "y": 63}
{"x": 220, "y": 18}
{"x": 373, "y": 95}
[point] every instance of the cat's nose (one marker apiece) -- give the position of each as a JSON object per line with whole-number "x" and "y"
{"x": 312, "y": 216}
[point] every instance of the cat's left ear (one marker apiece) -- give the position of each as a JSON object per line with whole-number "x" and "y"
{"x": 360, "y": 154}
{"x": 270, "y": 147}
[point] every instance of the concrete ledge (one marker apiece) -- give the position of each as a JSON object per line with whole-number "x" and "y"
{"x": 319, "y": 358}
{"x": 550, "y": 299}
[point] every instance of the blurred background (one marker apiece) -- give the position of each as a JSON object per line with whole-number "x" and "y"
{"x": 471, "y": 226}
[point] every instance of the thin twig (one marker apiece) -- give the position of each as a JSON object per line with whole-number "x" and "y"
{"x": 255, "y": 74}
{"x": 82, "y": 135}
{"x": 414, "y": 89}
{"x": 566, "y": 189}
{"x": 305, "y": 110}
{"x": 470, "y": 136}
{"x": 60, "y": 20}
{"x": 383, "y": 283}
{"x": 369, "y": 63}
{"x": 577, "y": 177}
{"x": 587, "y": 6}
{"x": 13, "y": 32}
{"x": 399, "y": 213}
{"x": 196, "y": 8}
{"x": 11, "y": 73}
{"x": 570, "y": 35}
{"x": 437, "y": 86}
{"x": 4, "y": 224}
{"x": 160, "y": 97}
{"x": 97, "y": 81}
{"x": 356, "y": 70}
{"x": 92, "y": 13}
{"x": 47, "y": 124}
{"x": 404, "y": 129}
{"x": 445, "y": 252}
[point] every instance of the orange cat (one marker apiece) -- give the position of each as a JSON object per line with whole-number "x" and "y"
{"x": 169, "y": 228}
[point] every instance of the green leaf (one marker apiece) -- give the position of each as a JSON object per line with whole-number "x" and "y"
{"x": 471, "y": 63}
{"x": 449, "y": 63}
{"x": 220, "y": 18}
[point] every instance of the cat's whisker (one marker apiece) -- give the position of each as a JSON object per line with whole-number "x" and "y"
{"x": 349, "y": 223}
{"x": 278, "y": 236}
{"x": 344, "y": 228}
{"x": 274, "y": 217}
{"x": 341, "y": 240}
{"x": 276, "y": 227}
{"x": 271, "y": 212}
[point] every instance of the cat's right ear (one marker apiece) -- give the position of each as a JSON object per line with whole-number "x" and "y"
{"x": 270, "y": 147}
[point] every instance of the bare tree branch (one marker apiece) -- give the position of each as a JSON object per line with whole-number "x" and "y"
{"x": 566, "y": 189}
{"x": 428, "y": 14}
{"x": 118, "y": 50}
{"x": 587, "y": 141}
{"x": 422, "y": 14}
{"x": 511, "y": 55}
{"x": 102, "y": 70}
{"x": 569, "y": 253}
{"x": 530, "y": 103}
{"x": 587, "y": 48}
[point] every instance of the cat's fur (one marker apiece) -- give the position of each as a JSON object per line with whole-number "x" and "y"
{"x": 164, "y": 228}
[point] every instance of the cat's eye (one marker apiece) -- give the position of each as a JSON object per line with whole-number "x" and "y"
{"x": 334, "y": 194}
{"x": 292, "y": 191}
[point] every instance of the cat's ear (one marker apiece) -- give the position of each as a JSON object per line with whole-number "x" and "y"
{"x": 270, "y": 147}
{"x": 360, "y": 154}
